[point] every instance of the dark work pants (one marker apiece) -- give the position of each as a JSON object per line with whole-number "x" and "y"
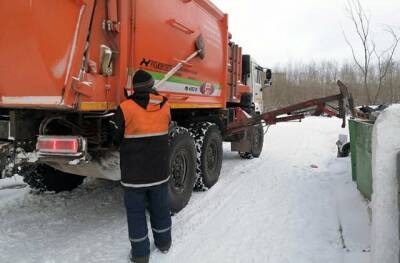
{"x": 160, "y": 218}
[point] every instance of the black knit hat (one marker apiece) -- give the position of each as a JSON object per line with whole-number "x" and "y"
{"x": 142, "y": 82}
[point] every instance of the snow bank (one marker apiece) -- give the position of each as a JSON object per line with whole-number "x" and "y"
{"x": 385, "y": 214}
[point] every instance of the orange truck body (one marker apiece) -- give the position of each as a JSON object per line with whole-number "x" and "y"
{"x": 66, "y": 65}
{"x": 65, "y": 68}
{"x": 51, "y": 53}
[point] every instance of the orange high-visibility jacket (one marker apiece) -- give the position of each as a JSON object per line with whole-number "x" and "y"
{"x": 143, "y": 123}
{"x": 149, "y": 122}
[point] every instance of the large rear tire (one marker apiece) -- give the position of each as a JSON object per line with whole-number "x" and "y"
{"x": 182, "y": 169}
{"x": 208, "y": 141}
{"x": 45, "y": 178}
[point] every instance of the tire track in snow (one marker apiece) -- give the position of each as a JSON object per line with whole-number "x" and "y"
{"x": 269, "y": 177}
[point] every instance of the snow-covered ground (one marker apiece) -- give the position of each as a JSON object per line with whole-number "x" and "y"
{"x": 276, "y": 209}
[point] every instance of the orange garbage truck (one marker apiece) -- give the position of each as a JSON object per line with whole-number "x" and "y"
{"x": 66, "y": 66}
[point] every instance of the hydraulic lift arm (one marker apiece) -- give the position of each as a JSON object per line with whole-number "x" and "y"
{"x": 314, "y": 107}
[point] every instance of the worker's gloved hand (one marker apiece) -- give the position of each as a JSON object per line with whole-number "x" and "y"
{"x": 116, "y": 127}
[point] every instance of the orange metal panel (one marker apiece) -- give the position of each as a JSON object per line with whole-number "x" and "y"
{"x": 106, "y": 91}
{"x": 112, "y": 11}
{"x": 165, "y": 33}
{"x": 40, "y": 43}
{"x": 45, "y": 49}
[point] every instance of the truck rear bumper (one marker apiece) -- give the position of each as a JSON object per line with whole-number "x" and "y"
{"x": 105, "y": 168}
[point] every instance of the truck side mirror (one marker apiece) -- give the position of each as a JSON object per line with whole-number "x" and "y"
{"x": 268, "y": 75}
{"x": 246, "y": 65}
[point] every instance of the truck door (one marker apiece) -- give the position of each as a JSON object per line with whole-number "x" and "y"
{"x": 257, "y": 87}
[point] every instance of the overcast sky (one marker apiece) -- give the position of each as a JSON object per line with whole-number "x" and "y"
{"x": 302, "y": 30}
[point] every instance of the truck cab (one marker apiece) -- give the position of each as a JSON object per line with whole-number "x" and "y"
{"x": 256, "y": 77}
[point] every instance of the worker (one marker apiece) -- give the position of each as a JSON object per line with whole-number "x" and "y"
{"x": 142, "y": 124}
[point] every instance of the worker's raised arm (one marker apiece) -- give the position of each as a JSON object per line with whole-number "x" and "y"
{"x": 118, "y": 126}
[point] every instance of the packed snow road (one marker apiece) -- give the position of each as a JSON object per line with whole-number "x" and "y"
{"x": 296, "y": 203}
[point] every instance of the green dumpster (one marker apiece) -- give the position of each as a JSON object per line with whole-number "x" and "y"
{"x": 361, "y": 155}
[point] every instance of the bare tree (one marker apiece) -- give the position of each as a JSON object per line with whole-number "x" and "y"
{"x": 362, "y": 24}
{"x": 385, "y": 60}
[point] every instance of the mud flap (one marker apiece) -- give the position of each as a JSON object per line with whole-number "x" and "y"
{"x": 251, "y": 143}
{"x": 5, "y": 153}
{"x": 244, "y": 145}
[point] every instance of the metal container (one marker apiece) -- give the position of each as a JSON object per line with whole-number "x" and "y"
{"x": 361, "y": 155}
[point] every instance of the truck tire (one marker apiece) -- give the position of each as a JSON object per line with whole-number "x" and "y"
{"x": 182, "y": 169}
{"x": 208, "y": 140}
{"x": 257, "y": 141}
{"x": 46, "y": 178}
{"x": 256, "y": 135}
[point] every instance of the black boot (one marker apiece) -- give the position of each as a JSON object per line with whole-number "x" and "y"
{"x": 164, "y": 249}
{"x": 144, "y": 259}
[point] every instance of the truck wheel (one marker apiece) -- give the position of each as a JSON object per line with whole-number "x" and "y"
{"x": 45, "y": 178}
{"x": 257, "y": 141}
{"x": 208, "y": 142}
{"x": 182, "y": 169}
{"x": 256, "y": 137}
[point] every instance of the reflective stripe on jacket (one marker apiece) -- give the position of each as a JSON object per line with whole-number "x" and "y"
{"x": 143, "y": 123}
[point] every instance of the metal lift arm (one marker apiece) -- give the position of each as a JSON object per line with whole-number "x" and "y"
{"x": 314, "y": 107}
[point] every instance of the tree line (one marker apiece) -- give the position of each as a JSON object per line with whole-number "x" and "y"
{"x": 373, "y": 75}
{"x": 296, "y": 82}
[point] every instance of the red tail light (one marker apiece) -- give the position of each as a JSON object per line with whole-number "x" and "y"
{"x": 61, "y": 145}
